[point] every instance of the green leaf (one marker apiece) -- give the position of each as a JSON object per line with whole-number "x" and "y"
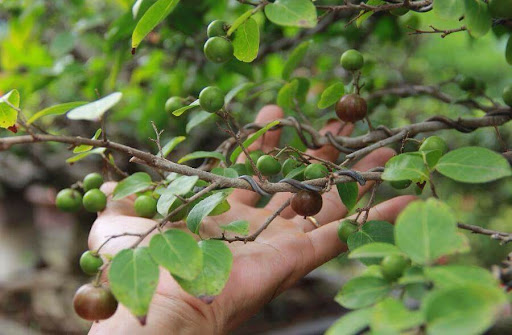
{"x": 178, "y": 252}
{"x": 362, "y": 292}
{"x": 82, "y": 155}
{"x": 133, "y": 277}
{"x": 202, "y": 154}
{"x": 351, "y": 323}
{"x": 236, "y": 90}
{"x": 55, "y": 110}
{"x": 390, "y": 316}
{"x": 247, "y": 41}
{"x": 151, "y": 18}
{"x": 473, "y": 165}
{"x": 239, "y": 21}
{"x": 182, "y": 110}
{"x": 302, "y": 89}
{"x": 139, "y": 181}
{"x": 408, "y": 166}
{"x": 449, "y": 9}
{"x": 202, "y": 210}
{"x": 331, "y": 95}
{"x": 375, "y": 250}
{"x": 466, "y": 309}
{"x": 197, "y": 119}
{"x": 348, "y": 193}
{"x": 427, "y": 230}
{"x": 217, "y": 262}
{"x": 84, "y": 147}
{"x": 9, "y": 115}
{"x": 295, "y": 58}
{"x": 372, "y": 231}
{"x": 477, "y": 17}
{"x": 225, "y": 172}
{"x": 455, "y": 275}
{"x": 287, "y": 93}
{"x": 508, "y": 51}
{"x": 94, "y": 111}
{"x": 240, "y": 227}
{"x": 169, "y": 146}
{"x": 292, "y": 13}
{"x": 179, "y": 186}
{"x": 252, "y": 139}
{"x": 365, "y": 16}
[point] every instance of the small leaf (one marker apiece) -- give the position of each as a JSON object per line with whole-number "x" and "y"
{"x": 169, "y": 146}
{"x": 94, "y": 111}
{"x": 178, "y": 252}
{"x": 84, "y": 147}
{"x": 9, "y": 115}
{"x": 239, "y": 21}
{"x": 247, "y": 41}
{"x": 197, "y": 119}
{"x": 331, "y": 95}
{"x": 179, "y": 186}
{"x": 137, "y": 182}
{"x": 182, "y": 110}
{"x": 348, "y": 193}
{"x": 351, "y": 323}
{"x": 508, "y": 51}
{"x": 55, "y": 110}
{"x": 217, "y": 262}
{"x": 477, "y": 17}
{"x": 287, "y": 93}
{"x": 202, "y": 210}
{"x": 408, "y": 166}
{"x": 362, "y": 292}
{"x": 449, "y": 9}
{"x": 390, "y": 316}
{"x": 133, "y": 277}
{"x": 151, "y": 18}
{"x": 473, "y": 165}
{"x": 82, "y": 155}
{"x": 365, "y": 16}
{"x": 295, "y": 58}
{"x": 455, "y": 275}
{"x": 202, "y": 154}
{"x": 225, "y": 172}
{"x": 236, "y": 90}
{"x": 375, "y": 250}
{"x": 372, "y": 231}
{"x": 292, "y": 13}
{"x": 252, "y": 139}
{"x": 240, "y": 227}
{"x": 136, "y": 7}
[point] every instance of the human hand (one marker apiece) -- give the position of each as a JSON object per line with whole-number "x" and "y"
{"x": 287, "y": 250}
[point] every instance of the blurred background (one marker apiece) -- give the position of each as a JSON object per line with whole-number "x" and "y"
{"x": 73, "y": 50}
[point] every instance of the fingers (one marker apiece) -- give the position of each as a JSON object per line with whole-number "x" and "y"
{"x": 267, "y": 142}
{"x": 118, "y": 207}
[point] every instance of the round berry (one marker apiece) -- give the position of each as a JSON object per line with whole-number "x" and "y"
{"x": 315, "y": 171}
{"x": 173, "y": 103}
{"x": 268, "y": 165}
{"x": 346, "y": 228}
{"x": 94, "y": 200}
{"x": 94, "y": 303}
{"x": 306, "y": 203}
{"x": 393, "y": 266}
{"x": 211, "y": 99}
{"x": 352, "y": 60}
{"x": 255, "y": 155}
{"x": 90, "y": 263}
{"x": 92, "y": 181}
{"x": 467, "y": 83}
{"x": 145, "y": 206}
{"x": 507, "y": 95}
{"x": 400, "y": 184}
{"x": 216, "y": 28}
{"x": 289, "y": 165}
{"x": 218, "y": 49}
{"x": 68, "y": 200}
{"x": 351, "y": 108}
{"x": 434, "y": 143}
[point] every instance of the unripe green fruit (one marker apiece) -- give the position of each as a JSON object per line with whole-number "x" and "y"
{"x": 467, "y": 83}
{"x": 94, "y": 200}
{"x": 507, "y": 95}
{"x": 289, "y": 165}
{"x": 92, "y": 180}
{"x": 216, "y": 28}
{"x": 373, "y": 271}
{"x": 501, "y": 8}
{"x": 346, "y": 228}
{"x": 90, "y": 263}
{"x": 315, "y": 171}
{"x": 173, "y": 103}
{"x": 211, "y": 99}
{"x": 218, "y": 49}
{"x": 255, "y": 155}
{"x": 399, "y": 11}
{"x": 400, "y": 184}
{"x": 239, "y": 168}
{"x": 268, "y": 165}
{"x": 434, "y": 143}
{"x": 68, "y": 200}
{"x": 352, "y": 60}
{"x": 390, "y": 100}
{"x": 94, "y": 303}
{"x": 145, "y": 206}
{"x": 393, "y": 266}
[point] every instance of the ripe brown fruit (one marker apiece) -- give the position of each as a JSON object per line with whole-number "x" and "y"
{"x": 351, "y": 108}
{"x": 94, "y": 303}
{"x": 306, "y": 203}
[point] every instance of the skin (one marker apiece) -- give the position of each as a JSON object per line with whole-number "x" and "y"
{"x": 284, "y": 253}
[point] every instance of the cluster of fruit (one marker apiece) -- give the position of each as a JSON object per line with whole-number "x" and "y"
{"x": 71, "y": 200}
{"x": 218, "y": 47}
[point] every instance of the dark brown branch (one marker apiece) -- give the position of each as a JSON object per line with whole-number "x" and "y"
{"x": 494, "y": 234}
{"x": 434, "y": 30}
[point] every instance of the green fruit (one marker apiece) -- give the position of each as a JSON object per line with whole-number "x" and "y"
{"x": 93, "y": 303}
{"x": 467, "y": 83}
{"x": 346, "y": 228}
{"x": 352, "y": 60}
{"x": 218, "y": 49}
{"x": 173, "y": 103}
{"x": 94, "y": 201}
{"x": 507, "y": 95}
{"x": 145, "y": 206}
{"x": 373, "y": 271}
{"x": 390, "y": 100}
{"x": 289, "y": 165}
{"x": 211, "y": 99}
{"x": 90, "y": 263}
{"x": 315, "y": 171}
{"x": 92, "y": 180}
{"x": 393, "y": 266}
{"x": 68, "y": 200}
{"x": 268, "y": 165}
{"x": 400, "y": 184}
{"x": 216, "y": 28}
{"x": 434, "y": 143}
{"x": 399, "y": 11}
{"x": 255, "y": 155}
{"x": 501, "y": 8}
{"x": 239, "y": 168}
